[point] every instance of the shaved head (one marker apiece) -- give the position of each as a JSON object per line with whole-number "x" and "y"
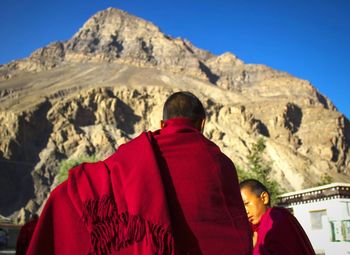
{"x": 254, "y": 186}
{"x": 183, "y": 104}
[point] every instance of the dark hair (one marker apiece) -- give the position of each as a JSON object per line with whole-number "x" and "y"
{"x": 255, "y": 187}
{"x": 183, "y": 104}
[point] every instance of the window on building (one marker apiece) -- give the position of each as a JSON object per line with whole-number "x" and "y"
{"x": 316, "y": 218}
{"x": 346, "y": 230}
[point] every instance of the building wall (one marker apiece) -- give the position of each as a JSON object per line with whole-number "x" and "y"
{"x": 327, "y": 224}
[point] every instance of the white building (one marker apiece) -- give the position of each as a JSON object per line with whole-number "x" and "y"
{"x": 324, "y": 213}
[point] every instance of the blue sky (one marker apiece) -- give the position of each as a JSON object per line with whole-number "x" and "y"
{"x": 307, "y": 38}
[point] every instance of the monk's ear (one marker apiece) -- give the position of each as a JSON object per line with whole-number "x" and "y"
{"x": 202, "y": 125}
{"x": 265, "y": 198}
{"x": 199, "y": 124}
{"x": 162, "y": 123}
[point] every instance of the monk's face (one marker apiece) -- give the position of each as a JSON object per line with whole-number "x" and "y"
{"x": 255, "y": 205}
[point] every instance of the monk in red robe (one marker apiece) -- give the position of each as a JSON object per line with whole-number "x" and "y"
{"x": 171, "y": 191}
{"x": 275, "y": 230}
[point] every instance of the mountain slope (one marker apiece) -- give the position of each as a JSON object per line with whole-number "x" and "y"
{"x": 107, "y": 84}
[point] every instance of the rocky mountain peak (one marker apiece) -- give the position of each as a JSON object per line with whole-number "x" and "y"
{"x": 228, "y": 58}
{"x": 109, "y": 29}
{"x": 113, "y": 35}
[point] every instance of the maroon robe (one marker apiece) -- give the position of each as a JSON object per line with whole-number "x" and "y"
{"x": 279, "y": 232}
{"x": 24, "y": 236}
{"x": 168, "y": 192}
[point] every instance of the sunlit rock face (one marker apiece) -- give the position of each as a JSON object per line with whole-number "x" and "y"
{"x": 107, "y": 84}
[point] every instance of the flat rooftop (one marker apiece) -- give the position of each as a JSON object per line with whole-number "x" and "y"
{"x": 315, "y": 194}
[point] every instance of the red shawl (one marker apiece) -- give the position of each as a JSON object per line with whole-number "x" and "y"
{"x": 121, "y": 206}
{"x": 130, "y": 203}
{"x": 279, "y": 232}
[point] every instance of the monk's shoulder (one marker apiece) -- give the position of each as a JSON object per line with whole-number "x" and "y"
{"x": 133, "y": 145}
{"x": 56, "y": 198}
{"x": 279, "y": 214}
{"x": 283, "y": 219}
{"x": 59, "y": 193}
{"x": 210, "y": 144}
{"x": 60, "y": 190}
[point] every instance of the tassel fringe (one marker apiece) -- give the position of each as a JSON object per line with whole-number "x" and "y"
{"x": 110, "y": 230}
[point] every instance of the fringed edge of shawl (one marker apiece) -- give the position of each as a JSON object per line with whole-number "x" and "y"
{"x": 110, "y": 230}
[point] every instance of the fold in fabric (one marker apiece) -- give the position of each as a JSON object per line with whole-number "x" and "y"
{"x": 109, "y": 197}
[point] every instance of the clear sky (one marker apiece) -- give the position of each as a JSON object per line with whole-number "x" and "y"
{"x": 309, "y": 39}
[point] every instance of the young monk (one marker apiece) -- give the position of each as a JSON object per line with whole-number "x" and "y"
{"x": 275, "y": 230}
{"x": 171, "y": 191}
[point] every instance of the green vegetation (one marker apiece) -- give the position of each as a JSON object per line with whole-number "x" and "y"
{"x": 65, "y": 165}
{"x": 260, "y": 170}
{"x": 325, "y": 179}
